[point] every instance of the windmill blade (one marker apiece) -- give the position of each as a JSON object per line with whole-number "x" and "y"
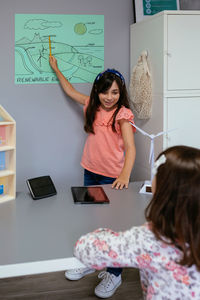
{"x": 140, "y": 130}
{"x": 152, "y": 137}
{"x": 164, "y": 132}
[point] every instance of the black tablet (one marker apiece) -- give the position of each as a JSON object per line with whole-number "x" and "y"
{"x": 89, "y": 195}
{"x": 41, "y": 187}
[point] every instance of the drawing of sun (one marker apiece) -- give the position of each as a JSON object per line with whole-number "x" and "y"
{"x": 80, "y": 28}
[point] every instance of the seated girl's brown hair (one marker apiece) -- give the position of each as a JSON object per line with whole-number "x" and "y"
{"x": 174, "y": 210}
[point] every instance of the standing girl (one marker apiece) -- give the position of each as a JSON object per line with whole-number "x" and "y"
{"x": 110, "y": 135}
{"x": 166, "y": 248}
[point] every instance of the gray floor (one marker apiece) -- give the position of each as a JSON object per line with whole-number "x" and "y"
{"x": 54, "y": 286}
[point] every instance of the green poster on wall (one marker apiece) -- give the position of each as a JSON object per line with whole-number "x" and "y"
{"x": 152, "y": 7}
{"x": 77, "y": 42}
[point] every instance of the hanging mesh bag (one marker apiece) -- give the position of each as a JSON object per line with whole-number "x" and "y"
{"x": 141, "y": 88}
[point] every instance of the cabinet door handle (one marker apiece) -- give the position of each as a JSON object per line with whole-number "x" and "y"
{"x": 168, "y": 54}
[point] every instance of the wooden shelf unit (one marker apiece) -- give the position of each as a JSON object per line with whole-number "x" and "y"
{"x": 7, "y": 156}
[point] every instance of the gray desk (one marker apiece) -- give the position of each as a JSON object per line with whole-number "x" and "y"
{"x": 46, "y": 230}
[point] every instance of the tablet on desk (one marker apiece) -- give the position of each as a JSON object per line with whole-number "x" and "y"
{"x": 89, "y": 195}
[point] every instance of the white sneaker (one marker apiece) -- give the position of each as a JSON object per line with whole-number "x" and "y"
{"x": 107, "y": 287}
{"x": 76, "y": 274}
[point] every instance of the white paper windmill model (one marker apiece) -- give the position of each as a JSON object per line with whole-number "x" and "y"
{"x": 146, "y": 188}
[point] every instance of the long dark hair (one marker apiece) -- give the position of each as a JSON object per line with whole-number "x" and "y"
{"x": 174, "y": 210}
{"x": 102, "y": 83}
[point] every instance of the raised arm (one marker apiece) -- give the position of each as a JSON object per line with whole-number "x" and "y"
{"x": 66, "y": 85}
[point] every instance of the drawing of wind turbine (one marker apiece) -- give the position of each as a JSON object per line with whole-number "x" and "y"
{"x": 146, "y": 188}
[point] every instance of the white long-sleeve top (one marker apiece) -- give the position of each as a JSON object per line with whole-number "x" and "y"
{"x": 162, "y": 278}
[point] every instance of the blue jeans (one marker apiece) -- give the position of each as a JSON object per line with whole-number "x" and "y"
{"x": 91, "y": 178}
{"x": 96, "y": 179}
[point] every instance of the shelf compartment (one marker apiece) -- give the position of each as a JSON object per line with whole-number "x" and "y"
{"x": 7, "y": 135}
{"x": 7, "y": 160}
{"x": 7, "y": 188}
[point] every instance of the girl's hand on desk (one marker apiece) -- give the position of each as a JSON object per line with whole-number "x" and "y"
{"x": 120, "y": 183}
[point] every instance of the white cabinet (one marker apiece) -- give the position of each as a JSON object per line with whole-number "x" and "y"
{"x": 7, "y": 156}
{"x": 183, "y": 48}
{"x": 171, "y": 40}
{"x": 186, "y": 122}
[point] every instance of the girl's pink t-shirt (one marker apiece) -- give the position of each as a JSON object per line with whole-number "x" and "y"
{"x": 104, "y": 151}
